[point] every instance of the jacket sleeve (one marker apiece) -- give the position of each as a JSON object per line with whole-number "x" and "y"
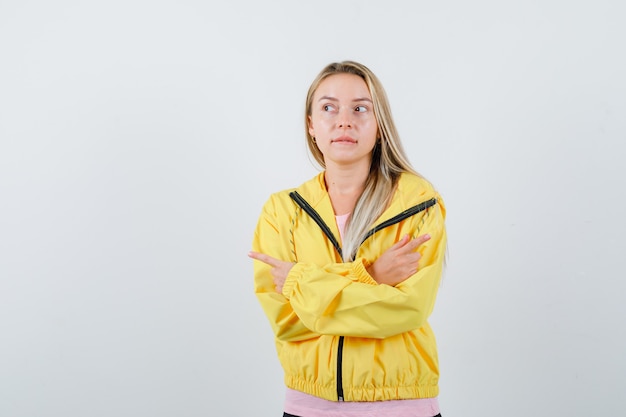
{"x": 272, "y": 238}
{"x": 342, "y": 299}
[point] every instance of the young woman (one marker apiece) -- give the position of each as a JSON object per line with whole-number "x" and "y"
{"x": 347, "y": 265}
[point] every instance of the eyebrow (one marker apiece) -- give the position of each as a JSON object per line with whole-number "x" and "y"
{"x": 335, "y": 99}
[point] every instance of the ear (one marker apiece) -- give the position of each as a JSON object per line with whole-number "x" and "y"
{"x": 311, "y": 128}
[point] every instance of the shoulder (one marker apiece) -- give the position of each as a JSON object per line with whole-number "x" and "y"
{"x": 416, "y": 186}
{"x": 414, "y": 189}
{"x": 309, "y": 190}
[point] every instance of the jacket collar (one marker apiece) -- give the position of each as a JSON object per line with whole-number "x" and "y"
{"x": 410, "y": 190}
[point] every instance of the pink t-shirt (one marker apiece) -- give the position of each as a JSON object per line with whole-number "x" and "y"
{"x": 305, "y": 405}
{"x": 341, "y": 223}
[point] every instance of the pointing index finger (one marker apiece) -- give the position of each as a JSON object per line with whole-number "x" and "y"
{"x": 417, "y": 242}
{"x": 422, "y": 239}
{"x": 263, "y": 258}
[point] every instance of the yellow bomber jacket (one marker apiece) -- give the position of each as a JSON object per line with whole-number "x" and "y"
{"x": 339, "y": 334}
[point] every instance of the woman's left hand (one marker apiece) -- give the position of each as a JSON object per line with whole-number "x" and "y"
{"x": 280, "y": 269}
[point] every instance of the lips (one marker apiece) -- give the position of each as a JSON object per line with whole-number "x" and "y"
{"x": 343, "y": 139}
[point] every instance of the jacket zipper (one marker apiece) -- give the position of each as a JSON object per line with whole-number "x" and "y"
{"x": 317, "y": 218}
{"x": 404, "y": 215}
{"x": 300, "y": 201}
{"x": 340, "y": 369}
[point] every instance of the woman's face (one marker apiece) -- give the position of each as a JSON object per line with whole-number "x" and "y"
{"x": 342, "y": 120}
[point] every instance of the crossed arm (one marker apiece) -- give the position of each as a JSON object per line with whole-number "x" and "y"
{"x": 389, "y": 295}
{"x": 395, "y": 265}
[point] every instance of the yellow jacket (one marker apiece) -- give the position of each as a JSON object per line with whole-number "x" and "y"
{"x": 339, "y": 334}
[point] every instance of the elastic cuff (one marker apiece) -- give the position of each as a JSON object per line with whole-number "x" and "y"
{"x": 360, "y": 270}
{"x": 290, "y": 282}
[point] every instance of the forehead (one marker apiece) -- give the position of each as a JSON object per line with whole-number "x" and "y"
{"x": 343, "y": 86}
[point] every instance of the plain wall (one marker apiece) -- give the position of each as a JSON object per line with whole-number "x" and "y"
{"x": 139, "y": 140}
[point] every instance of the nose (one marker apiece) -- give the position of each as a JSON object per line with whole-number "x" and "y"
{"x": 344, "y": 120}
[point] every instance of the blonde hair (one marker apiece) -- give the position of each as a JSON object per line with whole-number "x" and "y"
{"x": 388, "y": 157}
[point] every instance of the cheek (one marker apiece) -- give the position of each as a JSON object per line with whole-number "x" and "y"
{"x": 323, "y": 122}
{"x": 371, "y": 126}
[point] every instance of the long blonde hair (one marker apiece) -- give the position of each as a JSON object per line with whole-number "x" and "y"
{"x": 388, "y": 157}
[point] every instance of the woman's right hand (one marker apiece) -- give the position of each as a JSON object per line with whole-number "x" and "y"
{"x": 398, "y": 262}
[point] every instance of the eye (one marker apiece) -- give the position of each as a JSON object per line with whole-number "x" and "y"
{"x": 328, "y": 107}
{"x": 360, "y": 109}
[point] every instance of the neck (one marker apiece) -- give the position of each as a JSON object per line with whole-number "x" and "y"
{"x": 346, "y": 180}
{"x": 345, "y": 184}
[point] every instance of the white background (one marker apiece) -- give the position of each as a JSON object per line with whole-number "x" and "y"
{"x": 139, "y": 140}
